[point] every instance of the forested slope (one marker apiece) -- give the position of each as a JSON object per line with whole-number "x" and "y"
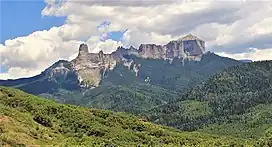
{"x": 234, "y": 102}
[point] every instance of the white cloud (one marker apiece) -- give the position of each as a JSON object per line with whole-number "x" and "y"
{"x": 16, "y": 72}
{"x": 107, "y": 46}
{"x": 35, "y": 52}
{"x": 261, "y": 28}
{"x": 254, "y": 54}
{"x": 134, "y": 37}
{"x": 229, "y": 27}
{"x": 221, "y": 23}
{"x": 126, "y": 2}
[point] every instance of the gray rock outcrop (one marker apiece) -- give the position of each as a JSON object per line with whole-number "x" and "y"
{"x": 185, "y": 47}
{"x": 89, "y": 68}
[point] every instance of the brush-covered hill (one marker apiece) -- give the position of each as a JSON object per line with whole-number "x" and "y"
{"x": 29, "y": 120}
{"x": 237, "y": 102}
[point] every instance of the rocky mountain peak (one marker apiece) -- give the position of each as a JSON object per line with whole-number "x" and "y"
{"x": 101, "y": 54}
{"x": 90, "y": 68}
{"x": 132, "y": 48}
{"x": 189, "y": 46}
{"x": 83, "y": 50}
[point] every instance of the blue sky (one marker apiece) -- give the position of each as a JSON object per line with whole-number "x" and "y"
{"x": 20, "y": 18}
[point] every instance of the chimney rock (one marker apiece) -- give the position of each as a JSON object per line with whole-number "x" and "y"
{"x": 83, "y": 50}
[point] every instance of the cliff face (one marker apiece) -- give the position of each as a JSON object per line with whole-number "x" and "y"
{"x": 187, "y": 47}
{"x": 90, "y": 68}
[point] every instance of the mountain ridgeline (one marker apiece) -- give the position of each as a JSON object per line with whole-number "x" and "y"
{"x": 88, "y": 69}
{"x": 130, "y": 80}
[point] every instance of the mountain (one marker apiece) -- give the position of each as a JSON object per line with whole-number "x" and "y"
{"x": 88, "y": 69}
{"x": 29, "y": 120}
{"x": 246, "y": 60}
{"x": 235, "y": 102}
{"x": 130, "y": 80}
{"x": 121, "y": 90}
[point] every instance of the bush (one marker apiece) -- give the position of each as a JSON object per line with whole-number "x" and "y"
{"x": 43, "y": 120}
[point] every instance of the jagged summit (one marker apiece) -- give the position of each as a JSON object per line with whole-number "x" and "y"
{"x": 83, "y": 50}
{"x": 189, "y": 46}
{"x": 89, "y": 66}
{"x": 89, "y": 69}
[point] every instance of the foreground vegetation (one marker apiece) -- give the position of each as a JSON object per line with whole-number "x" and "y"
{"x": 30, "y": 120}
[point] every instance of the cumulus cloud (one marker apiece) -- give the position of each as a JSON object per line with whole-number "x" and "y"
{"x": 16, "y": 72}
{"x": 126, "y": 2}
{"x": 33, "y": 53}
{"x": 107, "y": 46}
{"x": 228, "y": 23}
{"x": 229, "y": 28}
{"x": 134, "y": 37}
{"x": 254, "y": 55}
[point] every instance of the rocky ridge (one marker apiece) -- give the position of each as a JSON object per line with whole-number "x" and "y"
{"x": 90, "y": 68}
{"x": 189, "y": 47}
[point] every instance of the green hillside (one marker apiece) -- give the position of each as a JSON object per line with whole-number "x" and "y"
{"x": 30, "y": 120}
{"x": 134, "y": 98}
{"x": 237, "y": 102}
{"x": 121, "y": 90}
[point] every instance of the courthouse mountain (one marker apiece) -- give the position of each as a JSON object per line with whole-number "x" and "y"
{"x": 88, "y": 69}
{"x": 130, "y": 80}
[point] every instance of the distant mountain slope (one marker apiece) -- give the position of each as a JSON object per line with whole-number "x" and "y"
{"x": 58, "y": 76}
{"x": 127, "y": 80}
{"x": 87, "y": 69}
{"x": 177, "y": 65}
{"x": 158, "y": 82}
{"x": 236, "y": 102}
{"x": 29, "y": 120}
{"x": 246, "y": 61}
{"x": 177, "y": 74}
